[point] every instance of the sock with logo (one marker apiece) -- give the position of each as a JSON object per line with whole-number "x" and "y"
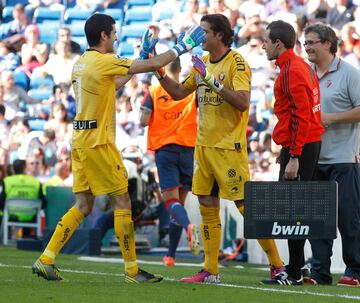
{"x": 211, "y": 237}
{"x": 175, "y": 231}
{"x": 177, "y": 211}
{"x": 269, "y": 247}
{"x": 64, "y": 230}
{"x": 124, "y": 231}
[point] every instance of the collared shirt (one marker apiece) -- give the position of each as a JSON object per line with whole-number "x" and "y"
{"x": 340, "y": 92}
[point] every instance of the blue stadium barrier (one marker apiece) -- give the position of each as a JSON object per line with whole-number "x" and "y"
{"x": 40, "y": 93}
{"x": 41, "y": 82}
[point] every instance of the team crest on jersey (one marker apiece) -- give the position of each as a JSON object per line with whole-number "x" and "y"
{"x": 122, "y": 59}
{"x": 221, "y": 76}
{"x": 231, "y": 173}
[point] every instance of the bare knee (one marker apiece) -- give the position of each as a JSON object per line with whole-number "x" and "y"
{"x": 84, "y": 203}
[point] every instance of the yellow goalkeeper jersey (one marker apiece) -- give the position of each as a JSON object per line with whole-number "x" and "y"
{"x": 219, "y": 123}
{"x": 93, "y": 79}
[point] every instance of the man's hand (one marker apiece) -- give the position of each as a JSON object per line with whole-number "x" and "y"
{"x": 147, "y": 45}
{"x": 194, "y": 36}
{"x": 291, "y": 169}
{"x": 200, "y": 67}
{"x": 326, "y": 119}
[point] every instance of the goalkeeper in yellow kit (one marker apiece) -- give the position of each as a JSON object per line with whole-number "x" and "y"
{"x": 97, "y": 165}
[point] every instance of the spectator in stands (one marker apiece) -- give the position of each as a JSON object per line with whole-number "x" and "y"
{"x": 254, "y": 27}
{"x": 252, "y": 8}
{"x": 354, "y": 57}
{"x": 4, "y": 127}
{"x": 13, "y": 31}
{"x": 19, "y": 128}
{"x": 298, "y": 129}
{"x": 339, "y": 154}
{"x": 36, "y": 165}
{"x": 60, "y": 64}
{"x": 59, "y": 123}
{"x": 286, "y": 13}
{"x": 219, "y": 7}
{"x": 349, "y": 37}
{"x": 64, "y": 35}
{"x": 61, "y": 95}
{"x": 9, "y": 60}
{"x": 46, "y": 141}
{"x": 21, "y": 185}
{"x": 53, "y": 4}
{"x": 174, "y": 153}
{"x": 33, "y": 53}
{"x": 13, "y": 95}
{"x": 340, "y": 14}
{"x": 182, "y": 20}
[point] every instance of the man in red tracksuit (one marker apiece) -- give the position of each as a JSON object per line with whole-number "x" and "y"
{"x": 299, "y": 127}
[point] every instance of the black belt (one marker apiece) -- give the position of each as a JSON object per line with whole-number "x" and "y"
{"x": 84, "y": 124}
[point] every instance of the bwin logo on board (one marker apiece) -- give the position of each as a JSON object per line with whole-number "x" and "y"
{"x": 290, "y": 230}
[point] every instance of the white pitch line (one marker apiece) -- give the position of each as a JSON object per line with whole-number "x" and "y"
{"x": 276, "y": 290}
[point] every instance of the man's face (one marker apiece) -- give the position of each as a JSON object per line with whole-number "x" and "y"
{"x": 270, "y": 47}
{"x": 211, "y": 38}
{"x": 314, "y": 47}
{"x": 109, "y": 43}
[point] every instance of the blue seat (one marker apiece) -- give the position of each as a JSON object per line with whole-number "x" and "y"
{"x": 133, "y": 31}
{"x": 77, "y": 28}
{"x": 37, "y": 81}
{"x": 116, "y": 13}
{"x": 133, "y": 3}
{"x": 14, "y": 2}
{"x": 74, "y": 14}
{"x": 40, "y": 93}
{"x": 7, "y": 14}
{"x": 37, "y": 124}
{"x": 138, "y": 14}
{"x": 47, "y": 15}
{"x": 48, "y": 32}
{"x": 21, "y": 79}
{"x": 164, "y": 14}
{"x": 126, "y": 49}
{"x": 81, "y": 40}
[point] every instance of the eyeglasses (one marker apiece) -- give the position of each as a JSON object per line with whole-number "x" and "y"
{"x": 311, "y": 43}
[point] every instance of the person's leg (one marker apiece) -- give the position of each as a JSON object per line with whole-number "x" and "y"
{"x": 105, "y": 222}
{"x": 67, "y": 226}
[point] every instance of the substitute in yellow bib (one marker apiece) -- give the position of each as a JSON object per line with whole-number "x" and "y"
{"x": 96, "y": 163}
{"x": 222, "y": 80}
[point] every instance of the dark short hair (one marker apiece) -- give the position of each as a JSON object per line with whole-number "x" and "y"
{"x": 220, "y": 24}
{"x": 96, "y": 24}
{"x": 283, "y": 31}
{"x": 19, "y": 166}
{"x": 2, "y": 109}
{"x": 325, "y": 33}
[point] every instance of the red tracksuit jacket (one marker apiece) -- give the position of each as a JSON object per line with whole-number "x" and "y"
{"x": 297, "y": 103}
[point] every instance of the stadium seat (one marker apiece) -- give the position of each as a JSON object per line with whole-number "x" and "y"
{"x": 14, "y": 2}
{"x": 133, "y": 31}
{"x": 37, "y": 81}
{"x": 116, "y": 13}
{"x": 7, "y": 14}
{"x": 21, "y": 205}
{"x": 133, "y": 3}
{"x": 76, "y": 28}
{"x": 162, "y": 15}
{"x": 81, "y": 40}
{"x": 47, "y": 15}
{"x": 125, "y": 49}
{"x": 21, "y": 79}
{"x": 48, "y": 32}
{"x": 73, "y": 15}
{"x": 37, "y": 124}
{"x": 40, "y": 93}
{"x": 138, "y": 14}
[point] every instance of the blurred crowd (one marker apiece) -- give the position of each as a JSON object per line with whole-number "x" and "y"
{"x": 37, "y": 126}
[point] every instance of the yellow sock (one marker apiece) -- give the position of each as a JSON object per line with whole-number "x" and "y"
{"x": 269, "y": 247}
{"x": 124, "y": 231}
{"x": 64, "y": 230}
{"x": 211, "y": 236}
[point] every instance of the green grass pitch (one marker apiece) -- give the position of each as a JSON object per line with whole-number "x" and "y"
{"x": 87, "y": 281}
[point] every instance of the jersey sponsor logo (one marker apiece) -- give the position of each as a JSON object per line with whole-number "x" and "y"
{"x": 240, "y": 63}
{"x": 288, "y": 230}
{"x": 316, "y": 108}
{"x": 172, "y": 115}
{"x": 84, "y": 124}
{"x": 206, "y": 232}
